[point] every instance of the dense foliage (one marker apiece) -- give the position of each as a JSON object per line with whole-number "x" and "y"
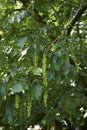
{"x": 43, "y": 64}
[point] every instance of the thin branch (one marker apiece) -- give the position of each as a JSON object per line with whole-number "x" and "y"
{"x": 11, "y": 11}
{"x": 79, "y": 13}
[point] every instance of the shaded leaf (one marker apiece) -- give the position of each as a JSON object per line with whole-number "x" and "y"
{"x": 21, "y": 41}
{"x": 50, "y": 74}
{"x": 57, "y": 77}
{"x": 2, "y": 90}
{"x": 17, "y": 87}
{"x": 58, "y": 61}
{"x": 36, "y": 90}
{"x": 9, "y": 112}
{"x": 66, "y": 68}
{"x": 72, "y": 72}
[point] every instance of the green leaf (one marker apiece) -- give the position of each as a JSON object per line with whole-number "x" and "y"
{"x": 57, "y": 77}
{"x": 43, "y": 28}
{"x": 21, "y": 41}
{"x": 36, "y": 90}
{"x": 66, "y": 68}
{"x": 17, "y": 87}
{"x": 8, "y": 112}
{"x": 72, "y": 72}
{"x": 58, "y": 61}
{"x": 2, "y": 90}
{"x": 50, "y": 74}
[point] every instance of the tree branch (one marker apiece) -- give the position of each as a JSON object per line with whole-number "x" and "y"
{"x": 79, "y": 13}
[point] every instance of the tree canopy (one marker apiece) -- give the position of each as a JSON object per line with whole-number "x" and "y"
{"x": 43, "y": 64}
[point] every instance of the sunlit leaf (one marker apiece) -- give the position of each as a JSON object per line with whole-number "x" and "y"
{"x": 36, "y": 71}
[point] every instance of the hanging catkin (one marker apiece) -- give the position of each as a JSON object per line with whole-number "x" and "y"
{"x": 44, "y": 60}
{"x": 21, "y": 110}
{"x": 29, "y": 105}
{"x": 44, "y": 65}
{"x": 45, "y": 96}
{"x": 17, "y": 101}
